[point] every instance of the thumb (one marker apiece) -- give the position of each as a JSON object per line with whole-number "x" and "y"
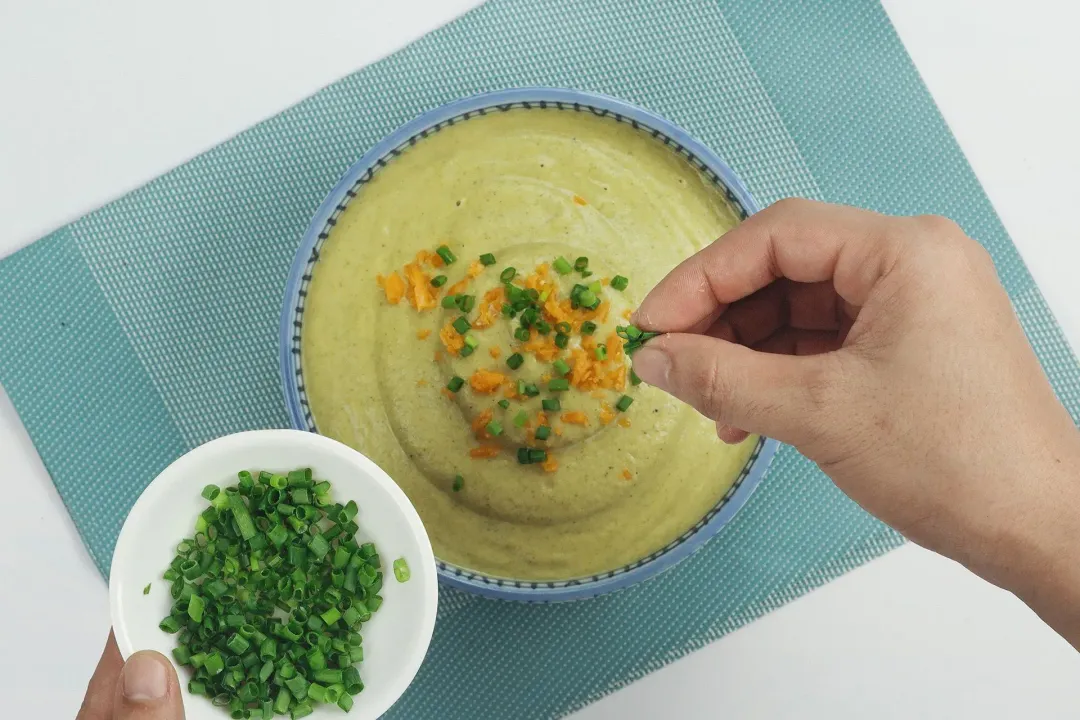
{"x": 148, "y": 689}
{"x": 780, "y": 396}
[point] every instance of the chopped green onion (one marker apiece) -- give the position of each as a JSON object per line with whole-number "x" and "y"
{"x": 543, "y": 327}
{"x": 521, "y": 418}
{"x": 596, "y": 287}
{"x": 267, "y": 544}
{"x": 438, "y": 281}
{"x": 401, "y": 570}
{"x": 504, "y": 404}
{"x": 537, "y": 456}
{"x": 561, "y": 341}
{"x": 455, "y": 384}
{"x": 465, "y": 303}
{"x": 210, "y": 492}
{"x": 619, "y": 283}
{"x": 624, "y": 403}
{"x": 487, "y": 259}
{"x": 507, "y": 275}
{"x": 634, "y": 379}
{"x": 543, "y": 432}
{"x": 601, "y": 352}
{"x": 588, "y": 327}
{"x": 450, "y": 301}
{"x": 515, "y": 361}
{"x": 196, "y": 605}
{"x": 563, "y": 327}
{"x": 588, "y": 299}
{"x": 466, "y": 351}
{"x": 522, "y": 334}
{"x": 494, "y": 428}
{"x": 531, "y": 390}
{"x": 444, "y": 252}
{"x": 471, "y": 341}
{"x": 551, "y": 404}
{"x": 459, "y": 482}
{"x": 581, "y": 264}
{"x": 561, "y": 367}
{"x": 146, "y": 590}
{"x": 523, "y": 456}
{"x": 462, "y": 325}
{"x": 558, "y": 385}
{"x": 562, "y": 266}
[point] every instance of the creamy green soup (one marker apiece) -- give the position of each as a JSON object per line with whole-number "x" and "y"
{"x": 617, "y": 480}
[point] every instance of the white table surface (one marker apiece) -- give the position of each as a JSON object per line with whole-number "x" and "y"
{"x": 105, "y": 96}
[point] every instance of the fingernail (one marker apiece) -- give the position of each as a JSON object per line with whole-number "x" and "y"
{"x": 653, "y": 366}
{"x": 145, "y": 677}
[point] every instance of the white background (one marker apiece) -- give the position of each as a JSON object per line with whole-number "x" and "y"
{"x": 97, "y": 98}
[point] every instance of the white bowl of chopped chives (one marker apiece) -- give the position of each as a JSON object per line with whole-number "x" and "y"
{"x": 283, "y": 573}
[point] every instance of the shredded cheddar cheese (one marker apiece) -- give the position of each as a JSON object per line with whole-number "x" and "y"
{"x": 486, "y": 381}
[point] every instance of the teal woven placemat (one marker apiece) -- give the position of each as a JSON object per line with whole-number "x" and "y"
{"x": 149, "y": 326}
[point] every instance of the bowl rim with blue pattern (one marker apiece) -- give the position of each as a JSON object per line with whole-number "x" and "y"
{"x": 463, "y": 110}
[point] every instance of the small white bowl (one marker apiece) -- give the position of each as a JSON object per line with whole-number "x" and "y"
{"x": 397, "y": 637}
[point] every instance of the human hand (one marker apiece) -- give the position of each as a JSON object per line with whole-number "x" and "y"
{"x": 886, "y": 351}
{"x": 144, "y": 688}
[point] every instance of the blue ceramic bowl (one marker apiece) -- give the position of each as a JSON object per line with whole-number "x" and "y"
{"x": 292, "y": 319}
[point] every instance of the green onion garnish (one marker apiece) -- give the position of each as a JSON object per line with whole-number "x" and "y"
{"x": 561, "y": 341}
{"x": 487, "y": 259}
{"x": 270, "y": 624}
{"x": 450, "y": 301}
{"x": 504, "y": 404}
{"x": 588, "y": 327}
{"x": 561, "y": 367}
{"x": 634, "y": 337}
{"x": 455, "y": 384}
{"x": 438, "y": 281}
{"x": 531, "y": 390}
{"x": 563, "y": 327}
{"x": 551, "y": 404}
{"x": 462, "y": 325}
{"x": 466, "y": 351}
{"x": 494, "y": 428}
{"x": 521, "y": 418}
{"x": 507, "y": 275}
{"x": 581, "y": 264}
{"x": 537, "y": 455}
{"x": 515, "y": 361}
{"x": 624, "y": 403}
{"x": 596, "y": 287}
{"x": 543, "y": 432}
{"x": 619, "y": 283}
{"x": 401, "y": 572}
{"x": 146, "y": 590}
{"x": 543, "y": 327}
{"x": 523, "y": 456}
{"x": 444, "y": 252}
{"x": 471, "y": 341}
{"x": 562, "y": 266}
{"x": 588, "y": 299}
{"x": 601, "y": 352}
{"x": 586, "y": 273}
{"x": 634, "y": 379}
{"x": 465, "y": 303}
{"x": 211, "y": 491}
{"x": 458, "y": 483}
{"x": 522, "y": 334}
{"x": 558, "y": 385}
